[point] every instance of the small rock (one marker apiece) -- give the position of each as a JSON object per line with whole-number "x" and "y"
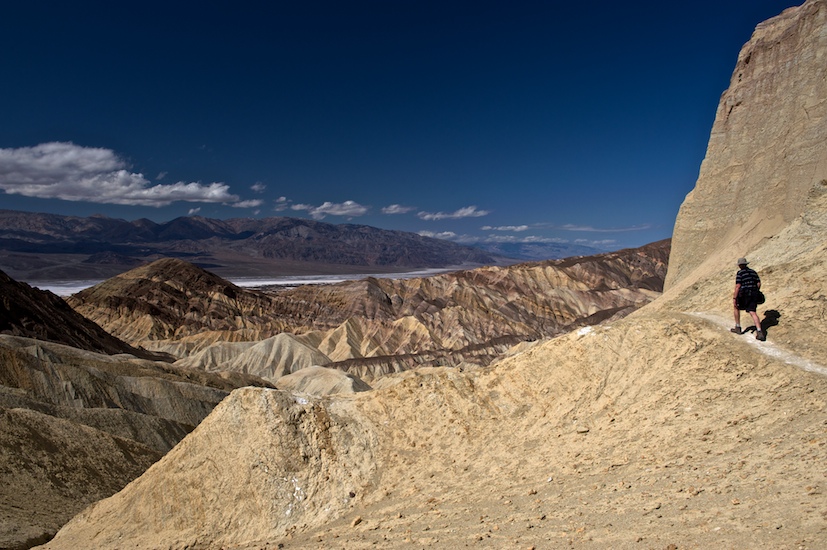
{"x": 356, "y": 521}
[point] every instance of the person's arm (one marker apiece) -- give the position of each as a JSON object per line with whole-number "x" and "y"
{"x": 737, "y": 289}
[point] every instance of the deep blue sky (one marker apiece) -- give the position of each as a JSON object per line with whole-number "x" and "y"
{"x": 572, "y": 121}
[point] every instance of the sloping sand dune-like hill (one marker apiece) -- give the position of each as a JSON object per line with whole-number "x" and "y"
{"x": 659, "y": 430}
{"x": 271, "y": 359}
{"x": 321, "y": 381}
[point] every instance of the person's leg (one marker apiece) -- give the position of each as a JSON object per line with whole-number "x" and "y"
{"x": 760, "y": 333}
{"x": 737, "y": 320}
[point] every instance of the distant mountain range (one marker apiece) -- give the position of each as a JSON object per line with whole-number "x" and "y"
{"x": 39, "y": 246}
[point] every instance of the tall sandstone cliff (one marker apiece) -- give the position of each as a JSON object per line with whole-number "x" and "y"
{"x": 767, "y": 152}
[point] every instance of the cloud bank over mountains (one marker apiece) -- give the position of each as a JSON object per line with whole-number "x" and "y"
{"x": 70, "y": 172}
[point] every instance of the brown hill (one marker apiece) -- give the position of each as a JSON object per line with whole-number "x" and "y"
{"x": 33, "y": 313}
{"x": 373, "y": 326}
{"x": 661, "y": 430}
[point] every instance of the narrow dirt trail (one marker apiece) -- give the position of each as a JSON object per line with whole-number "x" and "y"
{"x": 767, "y": 347}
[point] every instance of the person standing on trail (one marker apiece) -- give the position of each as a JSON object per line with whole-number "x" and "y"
{"x": 745, "y": 297}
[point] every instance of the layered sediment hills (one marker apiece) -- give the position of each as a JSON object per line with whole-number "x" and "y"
{"x": 373, "y": 326}
{"x": 659, "y": 430}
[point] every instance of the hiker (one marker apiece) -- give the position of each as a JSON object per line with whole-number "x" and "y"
{"x": 745, "y": 298}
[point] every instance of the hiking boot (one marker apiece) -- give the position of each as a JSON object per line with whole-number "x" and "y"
{"x": 736, "y": 330}
{"x": 760, "y": 336}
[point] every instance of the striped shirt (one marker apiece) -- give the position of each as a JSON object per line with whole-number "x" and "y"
{"x": 748, "y": 279}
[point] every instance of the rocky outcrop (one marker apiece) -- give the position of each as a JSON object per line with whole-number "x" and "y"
{"x": 767, "y": 149}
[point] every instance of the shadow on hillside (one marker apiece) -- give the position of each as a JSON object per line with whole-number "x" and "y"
{"x": 771, "y": 317}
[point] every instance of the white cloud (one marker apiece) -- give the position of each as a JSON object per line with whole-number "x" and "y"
{"x": 282, "y": 204}
{"x": 70, "y": 172}
{"x": 597, "y": 244}
{"x": 248, "y": 203}
{"x": 397, "y": 209}
{"x": 465, "y": 212}
{"x": 517, "y": 228}
{"x": 529, "y": 239}
{"x": 347, "y": 208}
{"x": 194, "y": 211}
{"x": 161, "y": 175}
{"x": 258, "y": 187}
{"x": 445, "y": 235}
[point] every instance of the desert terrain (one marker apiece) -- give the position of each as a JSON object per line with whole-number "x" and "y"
{"x": 659, "y": 429}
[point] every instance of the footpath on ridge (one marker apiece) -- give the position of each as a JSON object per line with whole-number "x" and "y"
{"x": 767, "y": 347}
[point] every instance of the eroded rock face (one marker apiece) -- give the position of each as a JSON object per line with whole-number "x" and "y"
{"x": 767, "y": 149}
{"x": 762, "y": 190}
